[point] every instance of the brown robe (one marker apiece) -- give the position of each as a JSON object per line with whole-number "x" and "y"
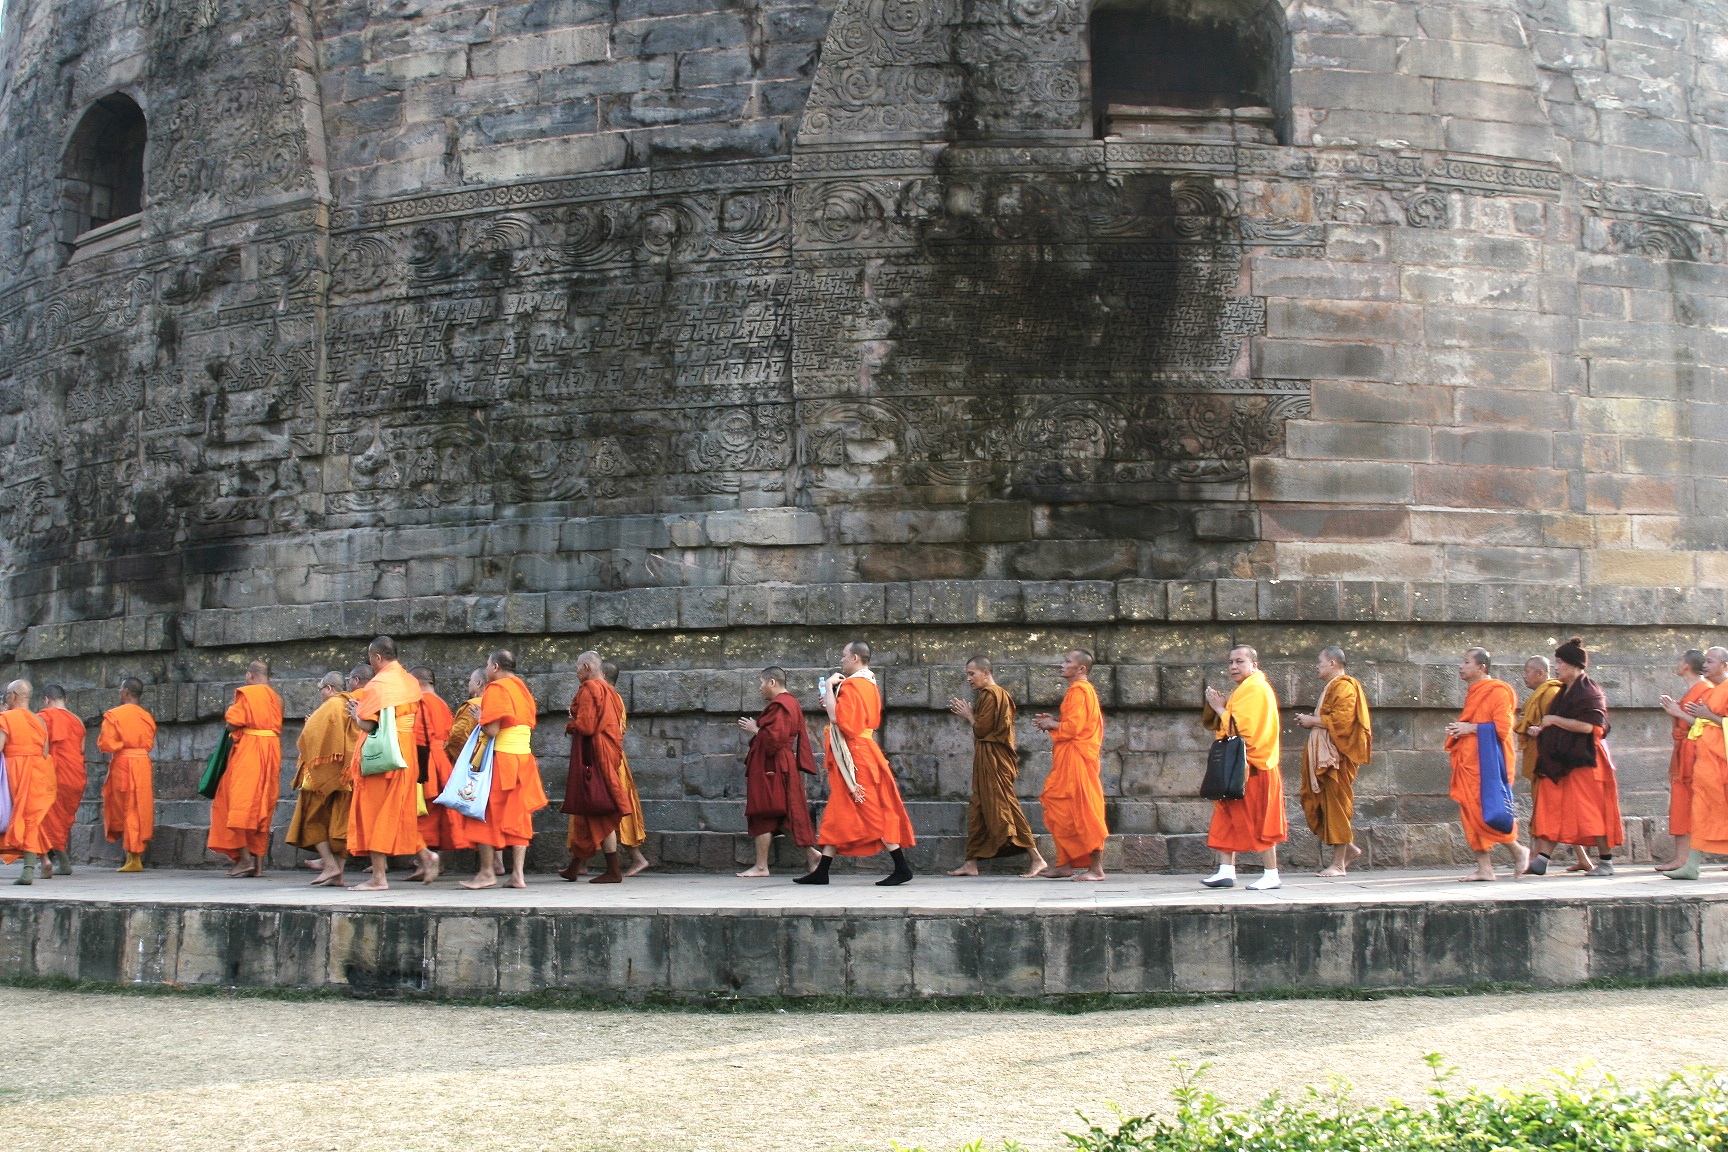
{"x": 996, "y": 825}
{"x": 1329, "y": 794}
{"x": 774, "y": 768}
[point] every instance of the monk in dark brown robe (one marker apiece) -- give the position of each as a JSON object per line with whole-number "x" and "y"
{"x": 775, "y": 765}
{"x": 996, "y": 825}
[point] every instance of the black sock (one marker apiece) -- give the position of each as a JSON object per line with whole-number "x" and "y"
{"x": 899, "y": 858}
{"x": 816, "y": 875}
{"x": 1543, "y": 855}
{"x": 823, "y": 864}
{"x": 1605, "y": 857}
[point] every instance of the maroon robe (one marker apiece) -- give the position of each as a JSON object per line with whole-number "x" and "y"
{"x": 779, "y": 755}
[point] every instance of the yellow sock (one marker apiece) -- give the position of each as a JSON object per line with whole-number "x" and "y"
{"x": 134, "y": 863}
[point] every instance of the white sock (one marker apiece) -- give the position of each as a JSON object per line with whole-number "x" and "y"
{"x": 1225, "y": 872}
{"x": 1268, "y": 879}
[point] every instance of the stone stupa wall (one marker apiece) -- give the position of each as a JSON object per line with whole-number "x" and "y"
{"x": 714, "y": 335}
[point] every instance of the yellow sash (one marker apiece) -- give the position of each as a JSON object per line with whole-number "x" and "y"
{"x": 516, "y": 740}
{"x": 256, "y": 732}
{"x": 1698, "y": 728}
{"x": 868, "y": 734}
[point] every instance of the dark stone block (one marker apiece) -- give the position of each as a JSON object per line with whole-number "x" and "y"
{"x": 102, "y": 933}
{"x": 1643, "y": 941}
{"x": 381, "y": 953}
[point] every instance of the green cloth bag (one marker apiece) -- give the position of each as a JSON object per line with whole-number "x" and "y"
{"x": 216, "y": 767}
{"x": 380, "y": 754}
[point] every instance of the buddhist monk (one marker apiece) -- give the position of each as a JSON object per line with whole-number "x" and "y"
{"x": 508, "y": 714}
{"x": 246, "y": 797}
{"x": 66, "y": 750}
{"x": 1577, "y": 795}
{"x": 775, "y": 765}
{"x": 440, "y": 827}
{"x": 1073, "y": 796}
{"x": 1256, "y": 822}
{"x": 633, "y": 829}
{"x": 322, "y": 792}
{"x": 129, "y": 794}
{"x": 1682, "y": 760}
{"x": 996, "y": 825}
{"x": 383, "y": 813}
{"x": 24, "y": 744}
{"x": 865, "y": 814}
{"x": 596, "y": 731}
{"x": 1340, "y": 740}
{"x": 1539, "y": 678}
{"x": 1486, "y": 701}
{"x": 467, "y": 717}
{"x": 1709, "y": 769}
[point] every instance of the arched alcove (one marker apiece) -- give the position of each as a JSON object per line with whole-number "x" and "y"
{"x": 1190, "y": 69}
{"x": 102, "y": 175}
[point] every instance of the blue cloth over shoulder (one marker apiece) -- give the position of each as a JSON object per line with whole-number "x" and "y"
{"x": 1497, "y": 809}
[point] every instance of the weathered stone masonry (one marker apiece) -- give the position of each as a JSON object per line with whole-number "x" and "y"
{"x": 713, "y": 334}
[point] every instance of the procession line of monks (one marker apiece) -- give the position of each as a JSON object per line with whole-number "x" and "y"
{"x": 1559, "y": 736}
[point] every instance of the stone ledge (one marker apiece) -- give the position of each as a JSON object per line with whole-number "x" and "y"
{"x": 931, "y": 603}
{"x": 695, "y": 942}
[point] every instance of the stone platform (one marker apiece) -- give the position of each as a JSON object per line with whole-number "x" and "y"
{"x": 698, "y": 936}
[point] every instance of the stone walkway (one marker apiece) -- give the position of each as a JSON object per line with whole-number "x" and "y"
{"x": 701, "y": 892}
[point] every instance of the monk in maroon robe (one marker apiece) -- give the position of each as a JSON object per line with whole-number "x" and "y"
{"x": 774, "y": 770}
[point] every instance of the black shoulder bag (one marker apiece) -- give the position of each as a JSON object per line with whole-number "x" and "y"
{"x": 1226, "y": 768}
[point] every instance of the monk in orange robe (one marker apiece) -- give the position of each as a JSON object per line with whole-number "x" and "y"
{"x": 596, "y": 731}
{"x": 633, "y": 829}
{"x": 246, "y": 798}
{"x": 1255, "y": 823}
{"x": 508, "y": 715}
{"x": 1486, "y": 701}
{"x": 440, "y": 827}
{"x": 322, "y": 794}
{"x": 1709, "y": 769}
{"x": 66, "y": 750}
{"x": 129, "y": 794}
{"x": 1682, "y": 760}
{"x": 1577, "y": 795}
{"x": 1340, "y": 740}
{"x": 383, "y": 814}
{"x": 1073, "y": 796}
{"x": 865, "y": 814}
{"x": 24, "y": 744}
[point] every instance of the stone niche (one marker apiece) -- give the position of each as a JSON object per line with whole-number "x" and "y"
{"x": 715, "y": 337}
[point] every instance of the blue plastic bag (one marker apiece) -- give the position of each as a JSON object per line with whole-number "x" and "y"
{"x": 1497, "y": 810}
{"x": 470, "y": 785}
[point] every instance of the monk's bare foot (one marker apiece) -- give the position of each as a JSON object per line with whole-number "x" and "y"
{"x": 1478, "y": 878}
{"x": 1087, "y": 876}
{"x": 315, "y": 865}
{"x": 240, "y": 870}
{"x": 431, "y": 869}
{"x": 1351, "y": 852}
{"x": 640, "y": 864}
{"x": 515, "y": 882}
{"x": 1059, "y": 873}
{"x": 752, "y": 872}
{"x": 481, "y": 882}
{"x": 376, "y": 884}
{"x": 1330, "y": 871}
{"x": 970, "y": 868}
{"x": 1579, "y": 867}
{"x": 1520, "y": 860}
{"x": 1035, "y": 869}
{"x": 323, "y": 879}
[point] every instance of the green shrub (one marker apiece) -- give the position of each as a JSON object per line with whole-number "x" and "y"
{"x": 1687, "y": 1112}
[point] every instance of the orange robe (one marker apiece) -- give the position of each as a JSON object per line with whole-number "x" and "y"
{"x": 851, "y": 828}
{"x": 1489, "y": 701}
{"x": 1073, "y": 796}
{"x": 326, "y": 744}
{"x": 129, "y": 794}
{"x": 1256, "y": 822}
{"x": 383, "y": 813}
{"x": 598, "y": 711}
{"x": 246, "y": 799}
{"x": 1681, "y": 764}
{"x": 517, "y": 790}
{"x": 66, "y": 750}
{"x": 1584, "y": 806}
{"x": 31, "y": 776}
{"x": 433, "y": 725}
{"x": 1709, "y": 778}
